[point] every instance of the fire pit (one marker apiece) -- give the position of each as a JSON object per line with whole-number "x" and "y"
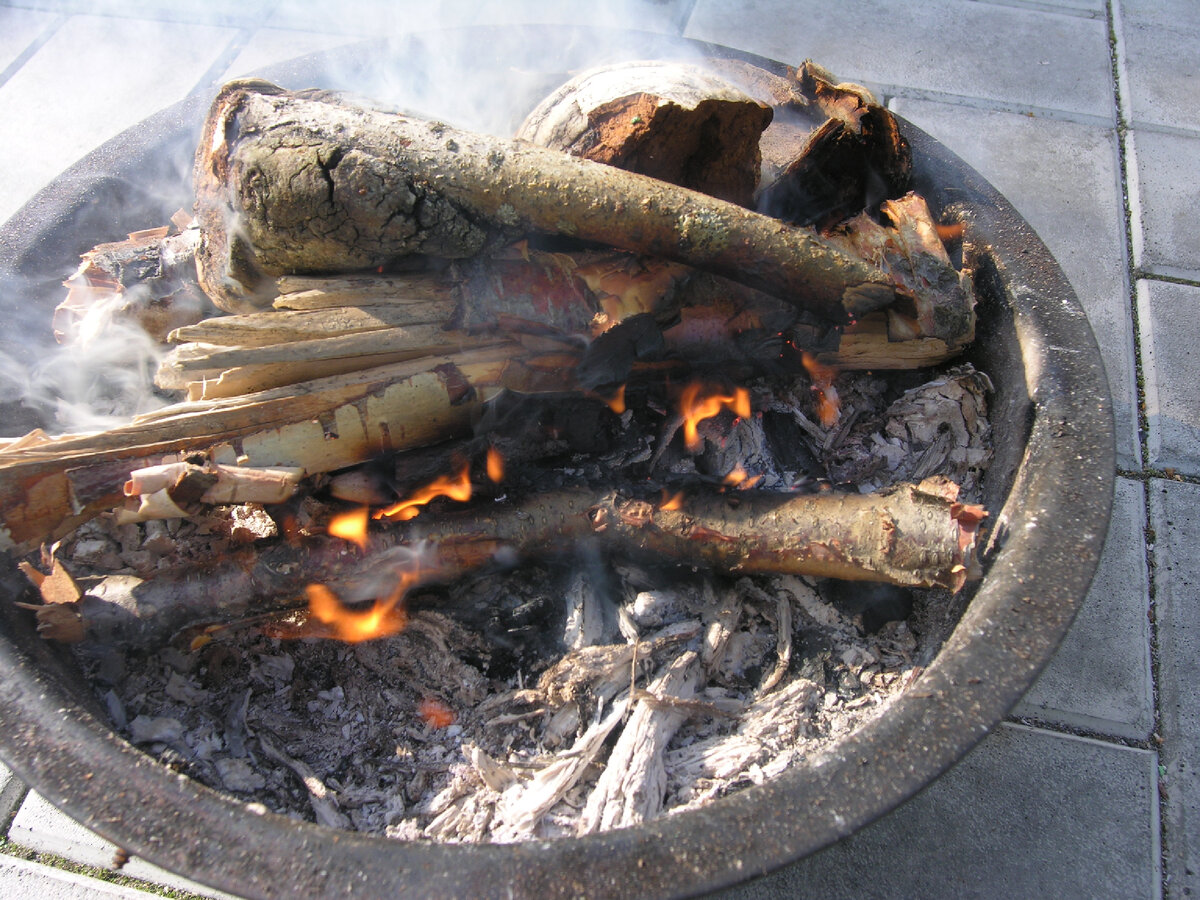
{"x": 1049, "y": 489}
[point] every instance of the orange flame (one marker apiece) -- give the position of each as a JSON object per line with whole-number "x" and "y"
{"x": 435, "y": 713}
{"x": 495, "y": 465}
{"x": 673, "y": 502}
{"x": 351, "y": 526}
{"x": 617, "y": 401}
{"x": 828, "y": 405}
{"x": 696, "y": 406}
{"x": 456, "y": 487}
{"x": 741, "y": 479}
{"x": 386, "y": 617}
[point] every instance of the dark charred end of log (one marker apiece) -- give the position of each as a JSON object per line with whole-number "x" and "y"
{"x": 842, "y": 171}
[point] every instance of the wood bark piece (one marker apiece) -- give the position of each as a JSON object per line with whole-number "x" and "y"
{"x": 671, "y": 121}
{"x": 51, "y": 487}
{"x": 289, "y": 182}
{"x": 160, "y": 490}
{"x": 913, "y": 535}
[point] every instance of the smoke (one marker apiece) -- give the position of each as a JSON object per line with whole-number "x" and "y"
{"x": 476, "y": 66}
{"x": 88, "y": 386}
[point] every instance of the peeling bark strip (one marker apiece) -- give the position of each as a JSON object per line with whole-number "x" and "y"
{"x": 304, "y": 182}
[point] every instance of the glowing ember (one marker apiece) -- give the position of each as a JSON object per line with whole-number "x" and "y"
{"x": 495, "y": 465}
{"x": 435, "y": 713}
{"x": 672, "y": 503}
{"x": 695, "y": 405}
{"x": 827, "y": 404}
{"x": 351, "y": 526}
{"x": 385, "y": 618}
{"x": 456, "y": 487}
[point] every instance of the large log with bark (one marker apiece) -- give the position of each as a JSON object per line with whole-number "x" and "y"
{"x": 306, "y": 182}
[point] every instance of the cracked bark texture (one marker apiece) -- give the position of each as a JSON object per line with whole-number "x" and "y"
{"x": 305, "y": 182}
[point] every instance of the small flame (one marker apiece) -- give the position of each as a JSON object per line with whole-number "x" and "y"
{"x": 456, "y": 487}
{"x": 617, "y": 401}
{"x": 695, "y": 405}
{"x": 435, "y": 713}
{"x": 495, "y": 465}
{"x": 741, "y": 479}
{"x": 351, "y": 526}
{"x": 828, "y": 405}
{"x": 385, "y": 618}
{"x": 673, "y": 502}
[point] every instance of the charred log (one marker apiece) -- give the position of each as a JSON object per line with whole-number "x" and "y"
{"x": 913, "y": 535}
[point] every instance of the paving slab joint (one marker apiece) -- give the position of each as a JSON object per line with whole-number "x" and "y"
{"x": 1039, "y": 724}
{"x": 1129, "y": 188}
{"x": 34, "y": 46}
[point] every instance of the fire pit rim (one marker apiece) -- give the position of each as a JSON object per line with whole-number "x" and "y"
{"x": 1034, "y": 585}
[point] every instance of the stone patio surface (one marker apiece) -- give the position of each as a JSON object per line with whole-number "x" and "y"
{"x": 1086, "y": 115}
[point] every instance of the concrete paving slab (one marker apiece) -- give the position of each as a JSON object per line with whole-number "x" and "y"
{"x": 85, "y": 86}
{"x": 1014, "y": 56}
{"x": 379, "y": 18}
{"x": 1028, "y": 813}
{"x": 1100, "y": 678}
{"x": 1174, "y": 14}
{"x": 1169, "y": 317}
{"x": 21, "y": 878}
{"x": 1159, "y": 87}
{"x": 12, "y": 791}
{"x": 1163, "y": 194}
{"x": 1092, "y": 8}
{"x": 1064, "y": 178}
{"x": 1175, "y": 517}
{"x": 41, "y": 827}
{"x": 210, "y": 12}
{"x": 18, "y": 29}
{"x": 271, "y": 45}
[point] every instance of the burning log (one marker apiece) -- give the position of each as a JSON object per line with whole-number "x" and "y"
{"x": 675, "y": 122}
{"x": 290, "y": 182}
{"x": 583, "y": 295}
{"x": 49, "y": 487}
{"x": 915, "y": 535}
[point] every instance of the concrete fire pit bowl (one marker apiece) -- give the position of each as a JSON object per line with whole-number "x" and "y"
{"x": 1049, "y": 490}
